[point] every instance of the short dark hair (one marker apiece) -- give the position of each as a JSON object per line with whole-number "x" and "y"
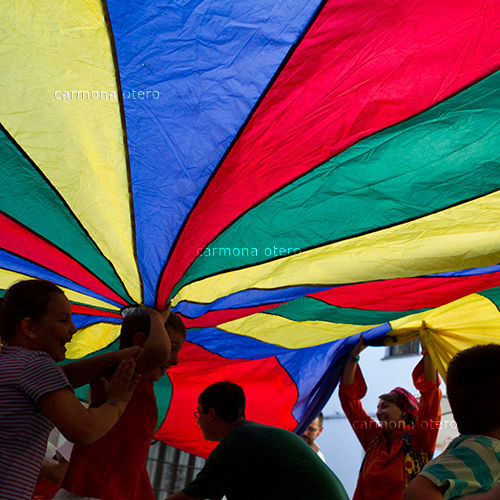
{"x": 137, "y": 320}
{"x": 174, "y": 323}
{"x": 472, "y": 385}
{"x": 226, "y": 398}
{"x": 25, "y": 299}
{"x": 321, "y": 418}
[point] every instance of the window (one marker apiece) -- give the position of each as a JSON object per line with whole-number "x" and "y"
{"x": 171, "y": 469}
{"x": 406, "y": 349}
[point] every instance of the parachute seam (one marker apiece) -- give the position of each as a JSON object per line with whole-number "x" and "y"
{"x": 127, "y": 298}
{"x": 43, "y": 238}
{"x": 325, "y": 288}
{"x": 107, "y": 19}
{"x": 270, "y": 84}
{"x": 88, "y": 291}
{"x": 270, "y": 195}
{"x": 276, "y": 357}
{"x": 331, "y": 242}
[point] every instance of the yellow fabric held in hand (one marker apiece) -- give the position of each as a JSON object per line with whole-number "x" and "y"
{"x": 451, "y": 328}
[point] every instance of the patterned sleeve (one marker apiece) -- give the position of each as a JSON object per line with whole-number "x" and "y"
{"x": 439, "y": 475}
{"x": 364, "y": 426}
{"x": 469, "y": 465}
{"x": 41, "y": 375}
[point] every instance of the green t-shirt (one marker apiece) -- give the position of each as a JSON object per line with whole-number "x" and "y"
{"x": 259, "y": 462}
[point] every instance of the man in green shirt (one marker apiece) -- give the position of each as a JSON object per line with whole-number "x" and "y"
{"x": 254, "y": 461}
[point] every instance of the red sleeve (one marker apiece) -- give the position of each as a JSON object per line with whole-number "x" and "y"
{"x": 429, "y": 413}
{"x": 364, "y": 426}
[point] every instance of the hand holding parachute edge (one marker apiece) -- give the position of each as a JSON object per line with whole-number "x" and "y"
{"x": 422, "y": 331}
{"x": 360, "y": 346}
{"x": 163, "y": 314}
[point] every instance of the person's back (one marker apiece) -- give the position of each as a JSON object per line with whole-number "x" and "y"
{"x": 275, "y": 464}
{"x": 254, "y": 461}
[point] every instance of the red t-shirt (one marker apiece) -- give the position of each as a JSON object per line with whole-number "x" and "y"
{"x": 386, "y": 470}
{"x": 114, "y": 467}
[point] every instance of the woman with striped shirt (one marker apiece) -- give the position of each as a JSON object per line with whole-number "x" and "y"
{"x": 36, "y": 394}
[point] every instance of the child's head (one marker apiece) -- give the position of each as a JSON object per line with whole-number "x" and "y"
{"x": 136, "y": 320}
{"x": 472, "y": 384}
{"x": 226, "y": 398}
{"x": 36, "y": 314}
{"x": 136, "y": 327}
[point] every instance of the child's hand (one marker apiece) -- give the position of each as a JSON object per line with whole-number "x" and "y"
{"x": 166, "y": 312}
{"x": 122, "y": 383}
{"x": 162, "y": 314}
{"x": 421, "y": 332}
{"x": 360, "y": 346}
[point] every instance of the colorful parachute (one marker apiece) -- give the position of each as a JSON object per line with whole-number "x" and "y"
{"x": 290, "y": 173}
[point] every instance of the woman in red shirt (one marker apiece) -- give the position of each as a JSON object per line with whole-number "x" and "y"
{"x": 404, "y": 439}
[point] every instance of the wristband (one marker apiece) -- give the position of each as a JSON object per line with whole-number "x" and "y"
{"x": 116, "y": 405}
{"x": 424, "y": 352}
{"x": 354, "y": 358}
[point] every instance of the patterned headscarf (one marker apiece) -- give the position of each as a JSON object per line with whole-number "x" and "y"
{"x": 406, "y": 401}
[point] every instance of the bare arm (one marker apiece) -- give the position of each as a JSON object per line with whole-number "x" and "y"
{"x": 84, "y": 425}
{"x": 350, "y": 366}
{"x": 156, "y": 349}
{"x": 54, "y": 472}
{"x": 493, "y": 494}
{"x": 430, "y": 371}
{"x": 88, "y": 370}
{"x": 421, "y": 488}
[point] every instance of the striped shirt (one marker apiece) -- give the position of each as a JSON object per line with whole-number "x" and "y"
{"x": 470, "y": 464}
{"x": 25, "y": 376}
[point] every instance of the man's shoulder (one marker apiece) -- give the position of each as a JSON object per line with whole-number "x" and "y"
{"x": 255, "y": 436}
{"x": 474, "y": 441}
{"x": 249, "y": 428}
{"x": 464, "y": 457}
{"x": 477, "y": 446}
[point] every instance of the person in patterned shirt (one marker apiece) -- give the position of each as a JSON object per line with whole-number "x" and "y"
{"x": 470, "y": 465}
{"x": 36, "y": 394}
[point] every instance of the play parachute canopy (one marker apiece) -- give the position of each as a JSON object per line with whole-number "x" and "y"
{"x": 289, "y": 173}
